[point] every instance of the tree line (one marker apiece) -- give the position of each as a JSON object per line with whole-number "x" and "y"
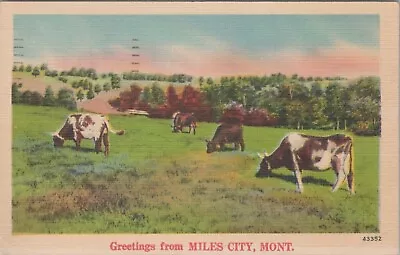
{"x": 64, "y": 98}
{"x": 287, "y": 101}
{"x": 298, "y": 104}
{"x": 177, "y": 78}
{"x": 275, "y": 100}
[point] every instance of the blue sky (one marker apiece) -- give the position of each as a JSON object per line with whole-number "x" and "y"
{"x": 60, "y": 36}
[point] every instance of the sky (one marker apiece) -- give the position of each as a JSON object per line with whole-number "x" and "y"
{"x": 203, "y": 45}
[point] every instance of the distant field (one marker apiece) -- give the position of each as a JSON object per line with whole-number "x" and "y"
{"x": 156, "y": 181}
{"x": 43, "y": 81}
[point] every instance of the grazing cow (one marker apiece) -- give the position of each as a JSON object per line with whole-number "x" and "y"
{"x": 299, "y": 152}
{"x": 181, "y": 120}
{"x": 226, "y": 133}
{"x": 80, "y": 126}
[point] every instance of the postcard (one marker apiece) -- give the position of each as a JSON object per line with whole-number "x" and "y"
{"x": 199, "y": 128}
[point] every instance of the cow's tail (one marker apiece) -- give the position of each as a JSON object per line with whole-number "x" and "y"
{"x": 109, "y": 128}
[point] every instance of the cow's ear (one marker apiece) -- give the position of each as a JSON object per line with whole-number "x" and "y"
{"x": 265, "y": 154}
{"x": 259, "y": 155}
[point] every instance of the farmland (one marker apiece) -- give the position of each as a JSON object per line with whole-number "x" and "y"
{"x": 156, "y": 181}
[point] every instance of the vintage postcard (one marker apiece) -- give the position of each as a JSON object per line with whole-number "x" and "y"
{"x": 199, "y": 128}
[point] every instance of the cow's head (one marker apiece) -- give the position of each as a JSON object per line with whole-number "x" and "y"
{"x": 265, "y": 166}
{"x": 211, "y": 146}
{"x": 58, "y": 140}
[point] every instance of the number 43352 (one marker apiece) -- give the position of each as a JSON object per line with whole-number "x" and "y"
{"x": 372, "y": 238}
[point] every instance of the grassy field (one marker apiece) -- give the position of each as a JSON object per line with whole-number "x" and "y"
{"x": 156, "y": 181}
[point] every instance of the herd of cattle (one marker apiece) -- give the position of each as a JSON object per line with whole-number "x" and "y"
{"x": 296, "y": 152}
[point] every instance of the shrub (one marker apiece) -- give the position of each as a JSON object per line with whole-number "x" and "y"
{"x": 233, "y": 113}
{"x": 367, "y": 128}
{"x": 260, "y": 117}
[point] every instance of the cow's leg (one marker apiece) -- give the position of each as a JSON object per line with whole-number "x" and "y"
{"x": 221, "y": 146}
{"x": 78, "y": 144}
{"x": 194, "y": 130}
{"x": 338, "y": 166}
{"x": 348, "y": 170}
{"x": 106, "y": 144}
{"x": 242, "y": 145}
{"x": 350, "y": 180}
{"x": 299, "y": 182}
{"x": 97, "y": 144}
{"x": 297, "y": 173}
{"x": 236, "y": 146}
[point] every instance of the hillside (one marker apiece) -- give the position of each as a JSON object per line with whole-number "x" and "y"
{"x": 100, "y": 103}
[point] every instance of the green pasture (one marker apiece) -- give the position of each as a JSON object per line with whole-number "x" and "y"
{"x": 156, "y": 181}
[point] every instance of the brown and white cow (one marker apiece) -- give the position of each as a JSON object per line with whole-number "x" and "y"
{"x": 226, "y": 133}
{"x": 181, "y": 120}
{"x": 299, "y": 152}
{"x": 80, "y": 126}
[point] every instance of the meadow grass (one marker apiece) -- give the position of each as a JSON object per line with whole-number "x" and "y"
{"x": 156, "y": 181}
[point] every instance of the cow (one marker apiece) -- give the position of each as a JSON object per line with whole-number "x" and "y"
{"x": 298, "y": 152}
{"x": 80, "y": 126}
{"x": 181, "y": 120}
{"x": 226, "y": 133}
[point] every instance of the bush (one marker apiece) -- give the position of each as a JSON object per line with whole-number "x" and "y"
{"x": 259, "y": 117}
{"x": 160, "y": 112}
{"x": 367, "y": 128}
{"x": 233, "y": 113}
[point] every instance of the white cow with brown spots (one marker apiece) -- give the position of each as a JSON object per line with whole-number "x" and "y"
{"x": 80, "y": 126}
{"x": 299, "y": 152}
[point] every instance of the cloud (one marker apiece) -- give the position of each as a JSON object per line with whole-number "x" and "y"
{"x": 219, "y": 58}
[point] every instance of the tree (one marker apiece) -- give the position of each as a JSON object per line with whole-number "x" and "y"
{"x": 157, "y": 94}
{"x": 146, "y": 95}
{"x": 54, "y": 73}
{"x": 28, "y": 68}
{"x": 317, "y": 113}
{"x": 172, "y": 97}
{"x": 36, "y": 71}
{"x": 300, "y": 92}
{"x": 73, "y": 72}
{"x": 44, "y": 67}
{"x": 97, "y": 88}
{"x": 296, "y": 114}
{"x": 90, "y": 93}
{"x": 36, "y": 98}
{"x": 316, "y": 90}
{"x": 66, "y": 98}
{"x": 106, "y": 87}
{"x": 49, "y": 98}
{"x": 15, "y": 94}
{"x": 26, "y": 97}
{"x": 209, "y": 81}
{"x": 15, "y": 68}
{"x": 80, "y": 95}
{"x": 115, "y": 82}
{"x": 334, "y": 107}
{"x": 75, "y": 84}
{"x": 81, "y": 72}
{"x": 201, "y": 80}
{"x": 86, "y": 84}
{"x": 95, "y": 76}
{"x": 135, "y": 93}
{"x": 21, "y": 68}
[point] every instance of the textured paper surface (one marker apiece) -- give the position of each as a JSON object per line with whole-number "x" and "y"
{"x": 340, "y": 243}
